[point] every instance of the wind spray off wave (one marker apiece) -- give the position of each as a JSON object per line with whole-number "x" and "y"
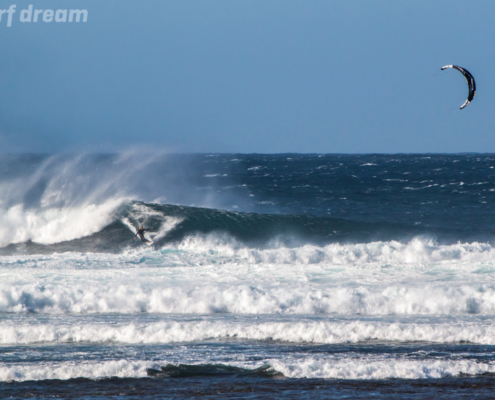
{"x": 54, "y": 199}
{"x": 54, "y": 225}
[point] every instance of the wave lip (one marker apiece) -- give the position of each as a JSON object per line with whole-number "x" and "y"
{"x": 54, "y": 225}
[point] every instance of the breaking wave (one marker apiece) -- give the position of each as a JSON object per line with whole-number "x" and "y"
{"x": 320, "y": 330}
{"x": 330, "y": 367}
{"x": 197, "y": 298}
{"x": 382, "y": 278}
{"x": 94, "y": 203}
{"x": 110, "y": 227}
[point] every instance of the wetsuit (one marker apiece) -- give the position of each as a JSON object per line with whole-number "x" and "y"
{"x": 140, "y": 233}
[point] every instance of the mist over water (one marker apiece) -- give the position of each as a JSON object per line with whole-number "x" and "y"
{"x": 364, "y": 267}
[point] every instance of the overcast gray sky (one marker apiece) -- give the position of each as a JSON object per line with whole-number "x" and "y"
{"x": 249, "y": 76}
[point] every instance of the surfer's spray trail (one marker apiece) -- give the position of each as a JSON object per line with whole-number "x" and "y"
{"x": 320, "y": 267}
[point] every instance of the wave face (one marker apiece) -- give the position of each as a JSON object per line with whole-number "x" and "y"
{"x": 261, "y": 267}
{"x": 94, "y": 203}
{"x": 111, "y": 228}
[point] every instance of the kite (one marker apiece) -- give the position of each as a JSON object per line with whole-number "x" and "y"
{"x": 470, "y": 81}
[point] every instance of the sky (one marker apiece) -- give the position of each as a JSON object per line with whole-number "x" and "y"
{"x": 248, "y": 76}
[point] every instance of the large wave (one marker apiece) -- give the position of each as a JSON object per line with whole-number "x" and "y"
{"x": 47, "y": 200}
{"x": 110, "y": 227}
{"x": 95, "y": 202}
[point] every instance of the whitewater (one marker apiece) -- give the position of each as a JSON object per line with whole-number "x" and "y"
{"x": 263, "y": 268}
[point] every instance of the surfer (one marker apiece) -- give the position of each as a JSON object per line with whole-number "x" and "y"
{"x": 140, "y": 233}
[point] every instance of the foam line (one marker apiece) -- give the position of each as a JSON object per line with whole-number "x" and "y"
{"x": 199, "y": 298}
{"x": 324, "y": 367}
{"x": 293, "y": 331}
{"x": 376, "y": 368}
{"x": 418, "y": 250}
{"x": 69, "y": 370}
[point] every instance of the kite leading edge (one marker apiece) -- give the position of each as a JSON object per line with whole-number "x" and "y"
{"x": 470, "y": 81}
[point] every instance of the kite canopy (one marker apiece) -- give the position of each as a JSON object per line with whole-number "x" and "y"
{"x": 470, "y": 81}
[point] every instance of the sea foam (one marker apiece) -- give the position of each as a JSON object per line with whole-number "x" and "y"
{"x": 74, "y": 369}
{"x": 137, "y": 294}
{"x": 381, "y": 278}
{"x": 326, "y": 367}
{"x": 167, "y": 329}
{"x": 370, "y": 367}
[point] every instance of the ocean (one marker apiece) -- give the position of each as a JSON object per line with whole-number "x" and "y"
{"x": 270, "y": 276}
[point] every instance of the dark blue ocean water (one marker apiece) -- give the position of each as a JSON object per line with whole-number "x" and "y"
{"x": 295, "y": 276}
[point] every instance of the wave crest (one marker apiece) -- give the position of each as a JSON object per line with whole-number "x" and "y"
{"x": 419, "y": 250}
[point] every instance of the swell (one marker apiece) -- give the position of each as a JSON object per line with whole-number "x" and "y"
{"x": 110, "y": 228}
{"x": 84, "y": 202}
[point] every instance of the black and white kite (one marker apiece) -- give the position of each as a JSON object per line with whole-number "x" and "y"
{"x": 470, "y": 81}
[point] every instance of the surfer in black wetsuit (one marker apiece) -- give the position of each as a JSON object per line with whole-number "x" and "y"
{"x": 140, "y": 233}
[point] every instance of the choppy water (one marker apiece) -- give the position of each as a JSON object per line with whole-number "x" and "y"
{"x": 270, "y": 275}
